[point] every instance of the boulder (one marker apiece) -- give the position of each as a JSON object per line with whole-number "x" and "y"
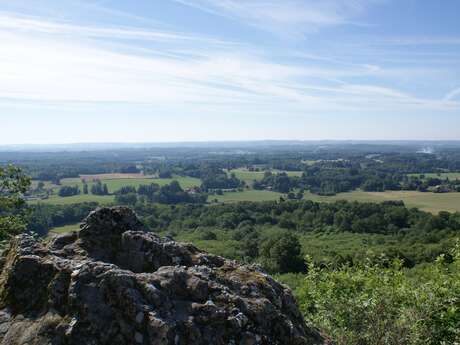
{"x": 115, "y": 283}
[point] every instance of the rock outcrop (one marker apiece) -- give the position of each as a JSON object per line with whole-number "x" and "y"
{"x": 114, "y": 283}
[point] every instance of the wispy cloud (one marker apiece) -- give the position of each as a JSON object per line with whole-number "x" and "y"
{"x": 12, "y": 22}
{"x": 452, "y": 94}
{"x": 287, "y": 16}
{"x": 49, "y": 61}
{"x": 422, "y": 40}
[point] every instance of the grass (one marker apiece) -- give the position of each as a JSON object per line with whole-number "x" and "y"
{"x": 112, "y": 184}
{"x": 249, "y": 176}
{"x": 430, "y": 202}
{"x": 65, "y": 228}
{"x": 247, "y": 195}
{"x": 450, "y": 175}
{"x": 76, "y": 199}
{"x": 223, "y": 245}
{"x": 115, "y": 184}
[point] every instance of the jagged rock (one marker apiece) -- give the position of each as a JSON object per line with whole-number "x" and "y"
{"x": 114, "y": 283}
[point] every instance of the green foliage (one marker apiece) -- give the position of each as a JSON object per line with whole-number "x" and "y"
{"x": 43, "y": 217}
{"x": 373, "y": 304}
{"x": 13, "y": 185}
{"x": 281, "y": 253}
{"x": 208, "y": 235}
{"x": 99, "y": 189}
{"x": 129, "y": 199}
{"x": 66, "y": 191}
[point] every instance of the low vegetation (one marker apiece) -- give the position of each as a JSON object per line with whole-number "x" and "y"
{"x": 381, "y": 303}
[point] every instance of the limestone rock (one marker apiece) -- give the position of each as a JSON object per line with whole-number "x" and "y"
{"x": 115, "y": 283}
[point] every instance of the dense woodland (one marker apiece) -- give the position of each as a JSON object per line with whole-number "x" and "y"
{"x": 242, "y": 229}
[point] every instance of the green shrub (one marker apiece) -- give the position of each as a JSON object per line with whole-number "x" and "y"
{"x": 379, "y": 304}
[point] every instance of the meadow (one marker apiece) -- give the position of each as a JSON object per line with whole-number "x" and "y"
{"x": 65, "y": 228}
{"x": 249, "y": 176}
{"x": 449, "y": 175}
{"x": 247, "y": 195}
{"x": 430, "y": 202}
{"x": 426, "y": 201}
{"x": 75, "y": 199}
{"x": 113, "y": 184}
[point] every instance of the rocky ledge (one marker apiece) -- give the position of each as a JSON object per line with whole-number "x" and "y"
{"x": 115, "y": 283}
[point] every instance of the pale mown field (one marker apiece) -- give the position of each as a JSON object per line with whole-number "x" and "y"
{"x": 430, "y": 202}
{"x": 450, "y": 175}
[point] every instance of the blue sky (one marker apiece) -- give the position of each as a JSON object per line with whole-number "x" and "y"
{"x": 196, "y": 70}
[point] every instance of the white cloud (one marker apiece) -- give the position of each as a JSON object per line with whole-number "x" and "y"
{"x": 287, "y": 16}
{"x": 11, "y": 22}
{"x": 452, "y": 94}
{"x": 45, "y": 61}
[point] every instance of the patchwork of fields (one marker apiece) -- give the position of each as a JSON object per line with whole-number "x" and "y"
{"x": 113, "y": 184}
{"x": 431, "y": 202}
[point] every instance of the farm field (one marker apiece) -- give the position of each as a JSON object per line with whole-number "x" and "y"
{"x": 247, "y": 195}
{"x": 75, "y": 199}
{"x": 112, "y": 184}
{"x": 90, "y": 178}
{"x": 115, "y": 184}
{"x": 249, "y": 176}
{"x": 430, "y": 202}
{"x": 449, "y": 175}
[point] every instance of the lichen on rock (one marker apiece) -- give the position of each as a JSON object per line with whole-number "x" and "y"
{"x": 116, "y": 283}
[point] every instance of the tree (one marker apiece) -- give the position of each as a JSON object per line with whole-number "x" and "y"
{"x": 13, "y": 185}
{"x": 85, "y": 189}
{"x": 282, "y": 253}
{"x": 126, "y": 199}
{"x": 99, "y": 189}
{"x": 68, "y": 191}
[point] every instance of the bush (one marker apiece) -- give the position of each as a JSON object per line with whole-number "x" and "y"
{"x": 208, "y": 235}
{"x": 372, "y": 304}
{"x": 281, "y": 254}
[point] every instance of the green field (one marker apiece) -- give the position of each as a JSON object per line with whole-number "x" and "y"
{"x": 65, "y": 228}
{"x": 113, "y": 185}
{"x": 75, "y": 199}
{"x": 248, "y": 195}
{"x": 249, "y": 176}
{"x": 430, "y": 202}
{"x": 443, "y": 176}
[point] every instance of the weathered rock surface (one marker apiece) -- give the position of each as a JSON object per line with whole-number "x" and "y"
{"x": 113, "y": 283}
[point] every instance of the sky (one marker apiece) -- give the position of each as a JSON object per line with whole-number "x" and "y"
{"x": 205, "y": 70}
